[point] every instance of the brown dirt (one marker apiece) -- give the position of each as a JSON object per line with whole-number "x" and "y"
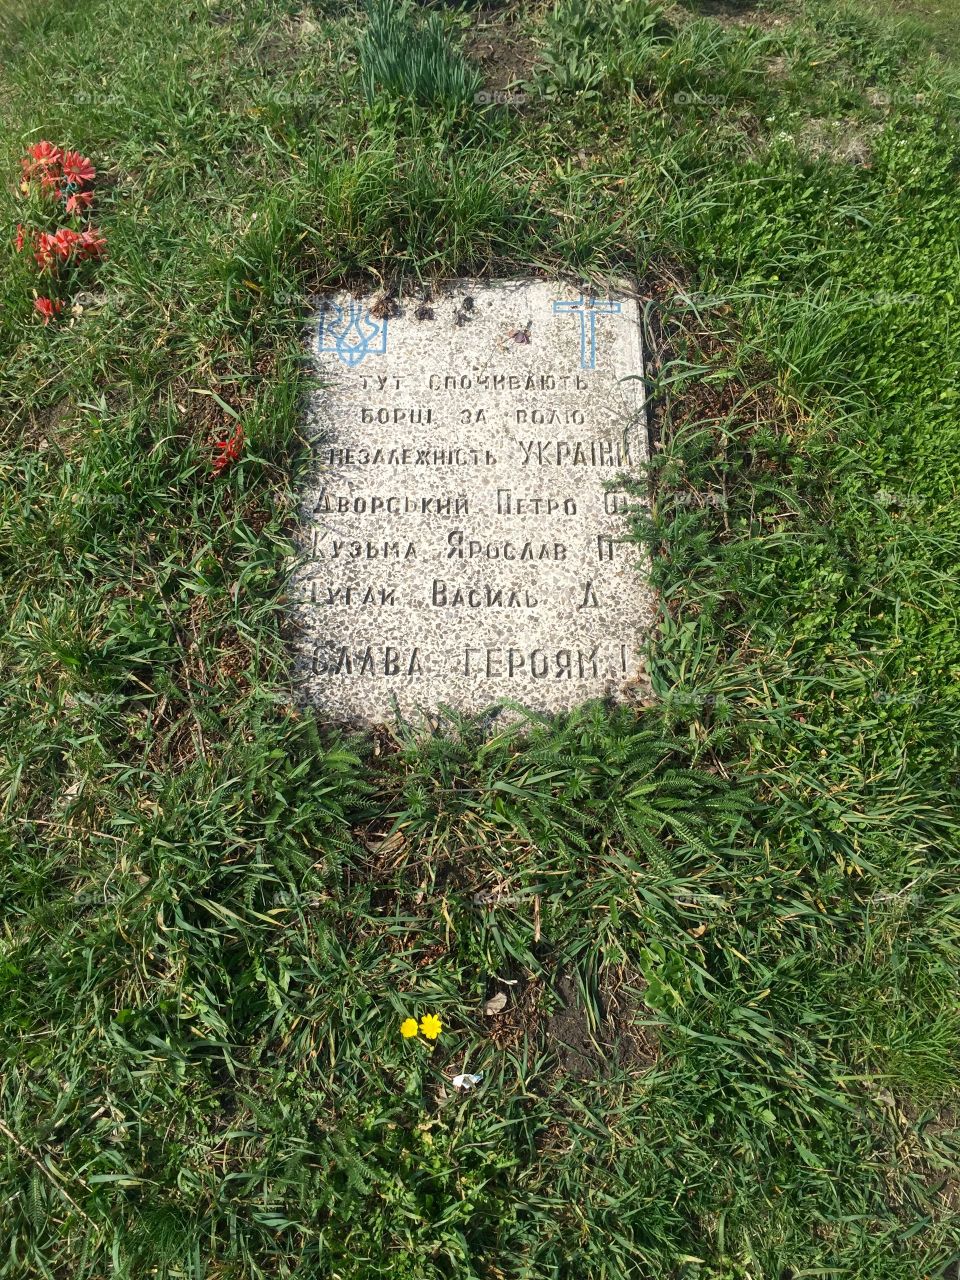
{"x": 501, "y": 48}
{"x": 50, "y": 425}
{"x": 619, "y": 1042}
{"x": 520, "y": 1017}
{"x": 841, "y": 140}
{"x": 731, "y": 13}
{"x": 924, "y": 1144}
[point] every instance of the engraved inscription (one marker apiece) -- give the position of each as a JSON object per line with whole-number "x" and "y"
{"x": 465, "y": 531}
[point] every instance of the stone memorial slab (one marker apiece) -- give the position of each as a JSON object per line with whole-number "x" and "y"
{"x": 462, "y": 535}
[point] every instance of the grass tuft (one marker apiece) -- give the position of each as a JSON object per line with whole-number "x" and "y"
{"x": 406, "y": 57}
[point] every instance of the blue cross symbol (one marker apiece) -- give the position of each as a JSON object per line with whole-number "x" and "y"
{"x": 587, "y": 310}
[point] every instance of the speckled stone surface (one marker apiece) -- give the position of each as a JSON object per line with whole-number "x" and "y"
{"x": 461, "y": 535}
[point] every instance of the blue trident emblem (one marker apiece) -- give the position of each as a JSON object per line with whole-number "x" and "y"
{"x": 587, "y": 310}
{"x": 351, "y": 332}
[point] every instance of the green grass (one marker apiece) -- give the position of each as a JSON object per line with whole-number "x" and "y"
{"x": 739, "y": 902}
{"x": 938, "y": 20}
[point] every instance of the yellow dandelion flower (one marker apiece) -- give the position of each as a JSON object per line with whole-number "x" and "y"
{"x": 430, "y": 1026}
{"x": 408, "y": 1028}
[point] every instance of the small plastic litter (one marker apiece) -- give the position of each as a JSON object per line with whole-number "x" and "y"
{"x": 466, "y": 1081}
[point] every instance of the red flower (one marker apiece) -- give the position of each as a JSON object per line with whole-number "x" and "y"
{"x": 77, "y": 169}
{"x": 92, "y": 244}
{"x": 228, "y": 451}
{"x": 49, "y": 249}
{"x": 65, "y": 242}
{"x": 77, "y": 200}
{"x": 47, "y": 308}
{"x": 41, "y": 155}
{"x": 43, "y": 250}
{"x": 43, "y": 160}
{"x": 19, "y": 238}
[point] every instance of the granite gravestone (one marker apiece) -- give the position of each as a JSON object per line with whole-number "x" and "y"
{"x": 462, "y": 534}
